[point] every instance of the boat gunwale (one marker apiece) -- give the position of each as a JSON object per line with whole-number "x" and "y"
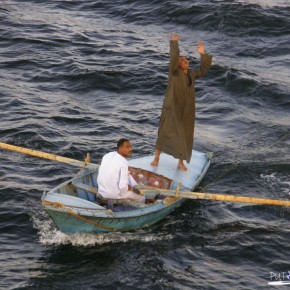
{"x": 113, "y": 216}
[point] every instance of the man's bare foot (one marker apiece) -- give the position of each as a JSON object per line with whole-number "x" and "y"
{"x": 181, "y": 166}
{"x": 155, "y": 162}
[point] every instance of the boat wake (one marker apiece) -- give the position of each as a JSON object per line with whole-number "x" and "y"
{"x": 50, "y": 236}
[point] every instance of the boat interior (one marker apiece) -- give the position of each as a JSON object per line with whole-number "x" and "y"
{"x": 85, "y": 186}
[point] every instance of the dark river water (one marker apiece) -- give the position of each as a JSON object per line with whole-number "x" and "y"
{"x": 78, "y": 75}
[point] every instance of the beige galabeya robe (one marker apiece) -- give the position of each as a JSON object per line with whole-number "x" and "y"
{"x": 176, "y": 129}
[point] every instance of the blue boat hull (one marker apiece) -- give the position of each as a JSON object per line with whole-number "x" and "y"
{"x": 70, "y": 224}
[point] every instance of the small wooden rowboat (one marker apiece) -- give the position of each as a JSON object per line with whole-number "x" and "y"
{"x": 75, "y": 205}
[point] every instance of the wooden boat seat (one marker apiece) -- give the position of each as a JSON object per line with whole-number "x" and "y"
{"x": 86, "y": 187}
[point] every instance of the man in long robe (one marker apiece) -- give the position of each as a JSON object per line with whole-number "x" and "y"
{"x": 176, "y": 129}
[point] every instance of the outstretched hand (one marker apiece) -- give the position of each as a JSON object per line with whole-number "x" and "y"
{"x": 200, "y": 47}
{"x": 174, "y": 36}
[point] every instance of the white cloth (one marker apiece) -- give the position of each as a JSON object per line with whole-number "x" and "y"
{"x": 114, "y": 178}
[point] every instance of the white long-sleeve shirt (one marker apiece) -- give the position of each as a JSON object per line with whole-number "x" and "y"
{"x": 114, "y": 177}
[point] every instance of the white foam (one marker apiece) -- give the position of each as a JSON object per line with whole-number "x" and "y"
{"x": 49, "y": 235}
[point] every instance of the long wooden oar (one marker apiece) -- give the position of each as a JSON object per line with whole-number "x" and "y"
{"x": 212, "y": 196}
{"x": 150, "y": 190}
{"x": 49, "y": 156}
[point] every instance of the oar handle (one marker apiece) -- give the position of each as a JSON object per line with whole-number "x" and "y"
{"x": 49, "y": 156}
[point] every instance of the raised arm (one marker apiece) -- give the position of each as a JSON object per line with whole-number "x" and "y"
{"x": 174, "y": 53}
{"x": 205, "y": 61}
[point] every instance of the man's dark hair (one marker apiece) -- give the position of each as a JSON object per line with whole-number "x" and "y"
{"x": 121, "y": 142}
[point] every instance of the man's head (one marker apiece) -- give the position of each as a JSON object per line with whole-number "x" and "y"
{"x": 124, "y": 147}
{"x": 183, "y": 63}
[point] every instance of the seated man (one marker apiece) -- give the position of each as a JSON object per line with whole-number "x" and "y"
{"x": 114, "y": 178}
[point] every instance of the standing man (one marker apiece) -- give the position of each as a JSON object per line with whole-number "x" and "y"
{"x": 114, "y": 178}
{"x": 176, "y": 129}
